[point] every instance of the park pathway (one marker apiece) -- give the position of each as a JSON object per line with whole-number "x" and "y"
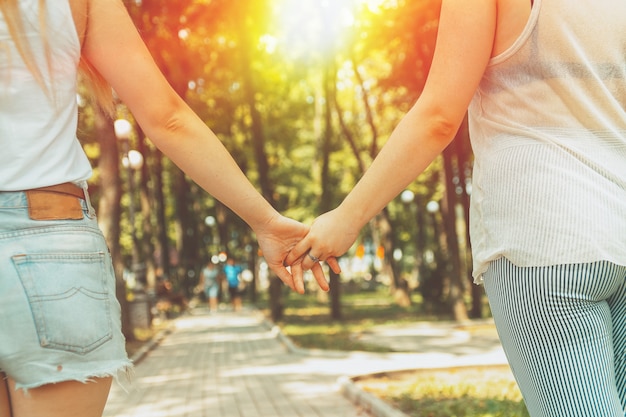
{"x": 229, "y": 365}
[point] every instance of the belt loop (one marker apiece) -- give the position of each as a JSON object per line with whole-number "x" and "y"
{"x": 91, "y": 212}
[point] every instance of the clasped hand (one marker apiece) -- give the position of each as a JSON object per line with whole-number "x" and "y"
{"x": 288, "y": 243}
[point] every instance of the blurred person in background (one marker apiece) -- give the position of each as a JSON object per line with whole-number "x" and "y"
{"x": 232, "y": 272}
{"x": 210, "y": 284}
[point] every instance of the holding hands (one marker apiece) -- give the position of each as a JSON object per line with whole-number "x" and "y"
{"x": 330, "y": 236}
{"x": 277, "y": 238}
{"x": 286, "y": 242}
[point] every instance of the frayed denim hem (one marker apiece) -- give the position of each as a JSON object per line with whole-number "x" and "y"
{"x": 121, "y": 374}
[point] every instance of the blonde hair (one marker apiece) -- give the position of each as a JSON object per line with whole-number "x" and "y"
{"x": 15, "y": 25}
{"x": 97, "y": 85}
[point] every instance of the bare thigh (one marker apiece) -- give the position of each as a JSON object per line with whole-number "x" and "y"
{"x": 5, "y": 407}
{"x": 65, "y": 399}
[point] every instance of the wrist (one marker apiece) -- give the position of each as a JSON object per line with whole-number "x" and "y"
{"x": 353, "y": 214}
{"x": 263, "y": 218}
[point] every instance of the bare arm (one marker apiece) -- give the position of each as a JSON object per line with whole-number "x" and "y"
{"x": 464, "y": 45}
{"x": 113, "y": 46}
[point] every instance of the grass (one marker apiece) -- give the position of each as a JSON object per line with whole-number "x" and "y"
{"x": 457, "y": 392}
{"x": 308, "y": 323}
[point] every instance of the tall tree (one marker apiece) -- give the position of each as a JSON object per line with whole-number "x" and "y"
{"x": 327, "y": 198}
{"x": 407, "y": 37}
{"x": 456, "y": 284}
{"x": 109, "y": 208}
{"x": 165, "y": 27}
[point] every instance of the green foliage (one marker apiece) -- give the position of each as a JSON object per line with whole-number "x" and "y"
{"x": 328, "y": 80}
{"x": 200, "y": 46}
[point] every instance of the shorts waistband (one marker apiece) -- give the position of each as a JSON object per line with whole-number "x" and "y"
{"x": 65, "y": 188}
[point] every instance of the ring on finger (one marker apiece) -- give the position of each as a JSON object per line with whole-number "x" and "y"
{"x": 313, "y": 258}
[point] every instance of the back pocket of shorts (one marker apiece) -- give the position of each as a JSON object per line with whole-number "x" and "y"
{"x": 69, "y": 299}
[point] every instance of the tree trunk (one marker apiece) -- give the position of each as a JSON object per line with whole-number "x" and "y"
{"x": 456, "y": 290}
{"x": 433, "y": 283}
{"x": 335, "y": 296}
{"x": 252, "y": 252}
{"x": 463, "y": 152}
{"x": 109, "y": 211}
{"x": 188, "y": 247}
{"x": 383, "y": 227}
{"x": 163, "y": 247}
{"x": 326, "y": 199}
{"x": 146, "y": 204}
{"x": 258, "y": 145}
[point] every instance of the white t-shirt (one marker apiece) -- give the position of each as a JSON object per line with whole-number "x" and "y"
{"x": 38, "y": 144}
{"x": 548, "y": 130}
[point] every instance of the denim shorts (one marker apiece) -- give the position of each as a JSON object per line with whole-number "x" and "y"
{"x": 59, "y": 316}
{"x": 212, "y": 290}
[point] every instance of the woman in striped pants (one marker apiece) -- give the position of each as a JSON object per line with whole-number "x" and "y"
{"x": 543, "y": 84}
{"x": 564, "y": 331}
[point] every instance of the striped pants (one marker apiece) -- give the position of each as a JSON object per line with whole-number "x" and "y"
{"x": 563, "y": 329}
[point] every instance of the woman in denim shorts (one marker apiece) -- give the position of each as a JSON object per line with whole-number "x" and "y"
{"x": 60, "y": 320}
{"x": 60, "y": 338}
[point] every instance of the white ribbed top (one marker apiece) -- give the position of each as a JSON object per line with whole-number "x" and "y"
{"x": 548, "y": 130}
{"x": 38, "y": 144}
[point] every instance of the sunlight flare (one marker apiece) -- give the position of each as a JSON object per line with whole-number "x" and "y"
{"x": 311, "y": 27}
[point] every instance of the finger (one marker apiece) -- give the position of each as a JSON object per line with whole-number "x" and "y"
{"x": 283, "y": 274}
{"x": 297, "y": 276}
{"x": 297, "y": 252}
{"x": 318, "y": 273}
{"x": 334, "y": 264}
{"x": 310, "y": 260}
{"x": 307, "y": 264}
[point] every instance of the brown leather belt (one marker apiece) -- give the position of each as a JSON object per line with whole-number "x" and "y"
{"x": 65, "y": 188}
